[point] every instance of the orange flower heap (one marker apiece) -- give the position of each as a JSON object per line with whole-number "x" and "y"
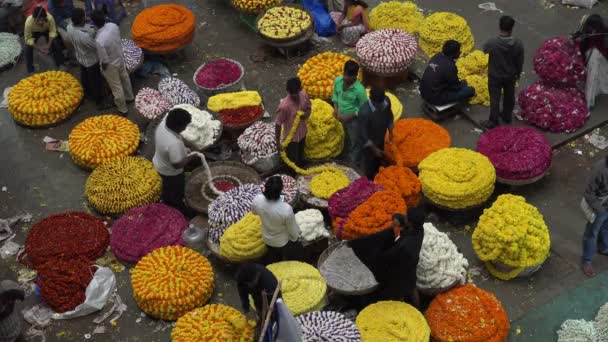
{"x": 414, "y": 140}
{"x": 163, "y": 28}
{"x": 320, "y": 71}
{"x": 171, "y": 281}
{"x": 466, "y": 314}
{"x": 401, "y": 180}
{"x": 213, "y": 323}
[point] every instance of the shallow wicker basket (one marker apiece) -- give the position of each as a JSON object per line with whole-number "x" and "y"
{"x": 520, "y": 182}
{"x": 324, "y": 255}
{"x": 526, "y": 272}
{"x": 289, "y": 39}
{"x": 234, "y": 86}
{"x": 303, "y": 184}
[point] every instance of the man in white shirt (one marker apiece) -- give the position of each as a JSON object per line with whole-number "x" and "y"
{"x": 170, "y": 157}
{"x": 280, "y": 231}
{"x": 113, "y": 68}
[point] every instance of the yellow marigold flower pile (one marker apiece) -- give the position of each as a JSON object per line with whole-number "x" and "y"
{"x": 392, "y": 321}
{"x": 325, "y": 134}
{"x": 44, "y": 99}
{"x": 396, "y": 15}
{"x": 213, "y": 323}
{"x": 457, "y": 178}
{"x": 396, "y": 105}
{"x": 325, "y": 184}
{"x": 121, "y": 184}
{"x": 102, "y": 138}
{"x": 473, "y": 68}
{"x": 171, "y": 281}
{"x": 511, "y": 232}
{"x": 238, "y": 99}
{"x": 254, "y": 6}
{"x": 243, "y": 240}
{"x": 302, "y": 286}
{"x": 442, "y": 26}
{"x": 319, "y": 72}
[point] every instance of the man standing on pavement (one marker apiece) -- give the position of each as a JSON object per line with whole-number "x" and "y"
{"x": 504, "y": 69}
{"x": 595, "y": 206}
{"x": 113, "y": 68}
{"x": 296, "y": 100}
{"x": 348, "y": 96}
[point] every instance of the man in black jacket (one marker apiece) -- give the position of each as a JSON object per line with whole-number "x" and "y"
{"x": 504, "y": 68}
{"x": 440, "y": 84}
{"x": 256, "y": 281}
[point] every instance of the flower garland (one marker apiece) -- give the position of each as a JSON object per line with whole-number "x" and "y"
{"x": 473, "y": 68}
{"x": 232, "y": 117}
{"x": 243, "y": 240}
{"x": 302, "y": 286}
{"x": 257, "y": 142}
{"x": 213, "y": 323}
{"x": 457, "y": 178}
{"x": 442, "y": 26}
{"x": 202, "y": 131}
{"x": 229, "y": 208}
{"x": 467, "y": 313}
{"x": 282, "y": 22}
{"x": 401, "y": 180}
{"x": 150, "y": 103}
{"x": 290, "y": 187}
{"x": 163, "y": 28}
{"x": 178, "y": 92}
{"x": 324, "y": 133}
{"x": 319, "y": 72}
{"x": 414, "y": 140}
{"x": 10, "y": 48}
{"x": 553, "y": 108}
{"x": 343, "y": 270}
{"x": 253, "y": 6}
{"x": 102, "y": 138}
{"x": 404, "y": 16}
{"x": 392, "y": 321}
{"x": 132, "y": 54}
{"x": 218, "y": 74}
{"x": 312, "y": 224}
{"x": 516, "y": 152}
{"x": 344, "y": 201}
{"x": 171, "y": 281}
{"x": 441, "y": 265}
{"x": 143, "y": 229}
{"x": 396, "y": 105}
{"x": 559, "y": 62}
{"x": 328, "y": 326}
{"x": 511, "y": 232}
{"x": 119, "y": 185}
{"x": 63, "y": 282}
{"x": 387, "y": 51}
{"x": 581, "y": 330}
{"x": 238, "y": 99}
{"x": 44, "y": 99}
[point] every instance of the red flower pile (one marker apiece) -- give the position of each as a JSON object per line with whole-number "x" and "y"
{"x": 218, "y": 73}
{"x": 240, "y": 116}
{"x": 63, "y": 282}
{"x": 223, "y": 185}
{"x": 559, "y": 62}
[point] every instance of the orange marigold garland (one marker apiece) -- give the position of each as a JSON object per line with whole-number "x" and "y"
{"x": 63, "y": 283}
{"x": 319, "y": 72}
{"x": 466, "y": 314}
{"x": 414, "y": 140}
{"x": 213, "y": 323}
{"x": 401, "y": 180}
{"x": 163, "y": 28}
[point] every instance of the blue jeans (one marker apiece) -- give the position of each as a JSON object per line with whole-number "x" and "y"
{"x": 461, "y": 95}
{"x": 596, "y": 235}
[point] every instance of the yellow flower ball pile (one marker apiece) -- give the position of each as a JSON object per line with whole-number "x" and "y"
{"x": 392, "y": 321}
{"x": 319, "y": 72}
{"x": 243, "y": 240}
{"x": 103, "y": 138}
{"x": 511, "y": 232}
{"x": 171, "y": 281}
{"x": 283, "y": 22}
{"x": 121, "y": 184}
{"x": 396, "y": 105}
{"x": 442, "y": 26}
{"x": 457, "y": 178}
{"x": 473, "y": 68}
{"x": 238, "y": 99}
{"x": 302, "y": 286}
{"x": 213, "y": 323}
{"x": 396, "y": 15}
{"x": 254, "y": 6}
{"x": 44, "y": 99}
{"x": 325, "y": 134}
{"x": 326, "y": 184}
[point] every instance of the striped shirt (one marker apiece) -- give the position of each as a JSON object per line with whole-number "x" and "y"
{"x": 82, "y": 38}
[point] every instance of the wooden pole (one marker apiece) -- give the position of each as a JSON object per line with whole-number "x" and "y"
{"x": 266, "y": 320}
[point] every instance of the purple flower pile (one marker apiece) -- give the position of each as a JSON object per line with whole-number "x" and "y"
{"x": 516, "y": 152}
{"x": 143, "y": 229}
{"x": 342, "y": 202}
{"x": 559, "y": 62}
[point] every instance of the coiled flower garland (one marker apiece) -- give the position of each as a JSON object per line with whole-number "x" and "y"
{"x": 404, "y": 16}
{"x": 328, "y": 326}
{"x": 213, "y": 323}
{"x": 203, "y": 130}
{"x": 319, "y": 72}
{"x": 243, "y": 240}
{"x": 150, "y": 103}
{"x": 10, "y": 48}
{"x": 392, "y": 321}
{"x": 401, "y": 180}
{"x": 414, "y": 140}
{"x": 229, "y": 208}
{"x": 258, "y": 142}
{"x": 312, "y": 224}
{"x": 387, "y": 51}
{"x": 163, "y": 28}
{"x": 442, "y": 26}
{"x": 132, "y": 54}
{"x": 178, "y": 92}
{"x": 302, "y": 286}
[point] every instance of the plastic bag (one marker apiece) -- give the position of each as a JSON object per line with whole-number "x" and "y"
{"x": 324, "y": 25}
{"x": 97, "y": 294}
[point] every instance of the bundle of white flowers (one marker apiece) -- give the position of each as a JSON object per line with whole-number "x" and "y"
{"x": 311, "y": 224}
{"x": 203, "y": 130}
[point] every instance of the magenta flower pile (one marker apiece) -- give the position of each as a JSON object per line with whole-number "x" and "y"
{"x": 342, "y": 202}
{"x": 559, "y": 62}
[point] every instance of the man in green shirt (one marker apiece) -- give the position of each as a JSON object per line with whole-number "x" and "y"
{"x": 349, "y": 94}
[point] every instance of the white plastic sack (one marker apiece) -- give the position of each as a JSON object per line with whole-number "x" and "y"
{"x": 97, "y": 294}
{"x": 580, "y": 3}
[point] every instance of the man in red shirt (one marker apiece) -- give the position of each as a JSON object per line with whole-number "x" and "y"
{"x": 297, "y": 100}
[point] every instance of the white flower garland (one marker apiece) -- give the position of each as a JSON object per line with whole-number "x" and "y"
{"x": 311, "y": 223}
{"x": 178, "y": 92}
{"x": 203, "y": 130}
{"x": 258, "y": 141}
{"x": 577, "y": 330}
{"x": 10, "y": 48}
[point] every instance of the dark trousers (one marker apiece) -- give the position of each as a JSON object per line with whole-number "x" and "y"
{"x": 55, "y": 50}
{"x": 295, "y": 152}
{"x": 504, "y": 86}
{"x": 92, "y": 82}
{"x": 173, "y": 194}
{"x": 371, "y": 163}
{"x": 461, "y": 95}
{"x": 291, "y": 251}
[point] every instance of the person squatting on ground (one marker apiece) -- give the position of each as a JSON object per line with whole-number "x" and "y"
{"x": 257, "y": 281}
{"x": 595, "y": 204}
{"x": 296, "y": 100}
{"x": 41, "y": 24}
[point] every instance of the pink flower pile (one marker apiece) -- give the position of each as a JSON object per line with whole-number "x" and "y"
{"x": 218, "y": 73}
{"x": 143, "y": 229}
{"x": 342, "y": 202}
{"x": 559, "y": 62}
{"x": 387, "y": 51}
{"x": 516, "y": 152}
{"x": 552, "y": 108}
{"x": 150, "y": 103}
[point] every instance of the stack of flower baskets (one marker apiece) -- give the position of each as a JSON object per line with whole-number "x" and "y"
{"x": 121, "y": 184}
{"x": 237, "y": 110}
{"x": 44, "y": 99}
{"x": 319, "y": 72}
{"x": 203, "y": 130}
{"x": 387, "y": 52}
{"x": 325, "y": 134}
{"x": 229, "y": 208}
{"x": 396, "y": 105}
{"x": 442, "y": 26}
{"x": 171, "y": 281}
{"x": 401, "y": 180}
{"x": 467, "y": 313}
{"x": 258, "y": 145}
{"x": 404, "y": 16}
{"x": 163, "y": 28}
{"x": 302, "y": 286}
{"x": 559, "y": 62}
{"x": 457, "y": 178}
{"x": 253, "y": 6}
{"x": 473, "y": 68}
{"x": 178, "y": 92}
{"x": 414, "y": 140}
{"x": 103, "y": 138}
{"x": 213, "y": 322}
{"x": 143, "y": 229}
{"x": 10, "y": 49}
{"x": 344, "y": 201}
{"x": 218, "y": 74}
{"x": 242, "y": 241}
{"x": 520, "y": 155}
{"x": 511, "y": 238}
{"x": 392, "y": 321}
{"x": 328, "y": 326}
{"x": 150, "y": 103}
{"x": 132, "y": 54}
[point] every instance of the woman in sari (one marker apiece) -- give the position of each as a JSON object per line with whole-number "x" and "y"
{"x": 593, "y": 39}
{"x": 352, "y": 23}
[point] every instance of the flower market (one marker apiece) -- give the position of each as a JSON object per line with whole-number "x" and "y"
{"x": 336, "y": 171}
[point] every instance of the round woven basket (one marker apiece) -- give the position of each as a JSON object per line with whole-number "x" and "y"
{"x": 520, "y": 182}
{"x": 324, "y": 255}
{"x": 526, "y": 272}
{"x": 289, "y": 39}
{"x": 303, "y": 183}
{"x": 234, "y": 86}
